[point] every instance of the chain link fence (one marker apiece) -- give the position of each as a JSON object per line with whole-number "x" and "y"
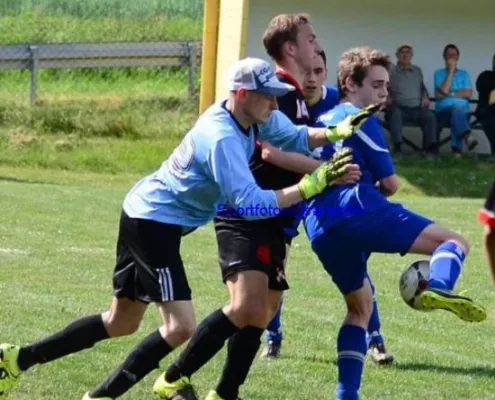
{"x": 51, "y": 50}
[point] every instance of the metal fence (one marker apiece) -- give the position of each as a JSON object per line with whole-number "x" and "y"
{"x": 68, "y": 50}
{"x": 34, "y": 57}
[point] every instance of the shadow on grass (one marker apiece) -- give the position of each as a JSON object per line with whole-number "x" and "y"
{"x": 482, "y": 371}
{"x": 19, "y": 180}
{"x": 445, "y": 176}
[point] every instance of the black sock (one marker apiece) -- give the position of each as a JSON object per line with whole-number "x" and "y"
{"x": 145, "y": 357}
{"x": 243, "y": 347}
{"x": 79, "y": 335}
{"x": 207, "y": 341}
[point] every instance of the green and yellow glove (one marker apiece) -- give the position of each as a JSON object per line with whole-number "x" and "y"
{"x": 326, "y": 174}
{"x": 348, "y": 126}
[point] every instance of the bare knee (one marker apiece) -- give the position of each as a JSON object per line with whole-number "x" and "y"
{"x": 118, "y": 324}
{"x": 249, "y": 299}
{"x": 179, "y": 321}
{"x": 360, "y": 311}
{"x": 124, "y": 317}
{"x": 253, "y": 312}
{"x": 178, "y": 333}
{"x": 359, "y": 306}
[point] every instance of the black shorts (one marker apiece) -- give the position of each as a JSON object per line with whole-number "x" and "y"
{"x": 149, "y": 266}
{"x": 252, "y": 246}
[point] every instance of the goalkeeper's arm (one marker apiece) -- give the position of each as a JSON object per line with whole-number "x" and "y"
{"x": 327, "y": 174}
{"x": 320, "y": 136}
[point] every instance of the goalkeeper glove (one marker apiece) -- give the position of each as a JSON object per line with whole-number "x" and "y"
{"x": 348, "y": 126}
{"x": 326, "y": 174}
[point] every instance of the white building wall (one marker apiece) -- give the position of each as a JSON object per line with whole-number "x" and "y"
{"x": 427, "y": 25}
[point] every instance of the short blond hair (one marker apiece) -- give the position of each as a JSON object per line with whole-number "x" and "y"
{"x": 282, "y": 29}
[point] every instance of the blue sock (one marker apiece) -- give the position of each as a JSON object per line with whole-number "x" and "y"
{"x": 351, "y": 348}
{"x": 445, "y": 266}
{"x": 274, "y": 328}
{"x": 374, "y": 325}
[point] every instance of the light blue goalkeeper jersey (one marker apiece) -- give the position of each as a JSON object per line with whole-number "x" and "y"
{"x": 211, "y": 167}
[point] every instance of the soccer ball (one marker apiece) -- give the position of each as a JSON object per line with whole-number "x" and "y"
{"x": 413, "y": 281}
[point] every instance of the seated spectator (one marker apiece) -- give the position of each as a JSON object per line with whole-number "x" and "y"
{"x": 409, "y": 101}
{"x": 453, "y": 89}
{"x": 485, "y": 112}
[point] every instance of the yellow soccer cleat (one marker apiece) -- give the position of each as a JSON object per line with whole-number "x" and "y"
{"x": 9, "y": 370}
{"x": 465, "y": 308}
{"x": 88, "y": 397}
{"x": 178, "y": 390}
{"x": 213, "y": 396}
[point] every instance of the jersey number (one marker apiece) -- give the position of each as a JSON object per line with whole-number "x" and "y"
{"x": 182, "y": 157}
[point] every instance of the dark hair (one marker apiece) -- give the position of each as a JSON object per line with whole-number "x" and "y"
{"x": 354, "y": 63}
{"x": 451, "y": 46}
{"x": 324, "y": 56}
{"x": 282, "y": 29}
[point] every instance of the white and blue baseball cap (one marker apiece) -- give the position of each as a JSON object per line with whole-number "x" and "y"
{"x": 257, "y": 75}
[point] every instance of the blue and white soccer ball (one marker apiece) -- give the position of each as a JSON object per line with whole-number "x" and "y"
{"x": 413, "y": 281}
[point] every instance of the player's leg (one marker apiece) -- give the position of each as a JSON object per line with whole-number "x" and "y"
{"x": 123, "y": 318}
{"x": 178, "y": 326}
{"x": 245, "y": 256}
{"x": 376, "y": 347}
{"x": 244, "y": 345}
{"x": 448, "y": 252}
{"x": 81, "y": 334}
{"x": 158, "y": 277}
{"x": 274, "y": 334}
{"x": 402, "y": 231}
{"x": 242, "y": 349}
{"x": 346, "y": 264}
{"x": 247, "y": 308}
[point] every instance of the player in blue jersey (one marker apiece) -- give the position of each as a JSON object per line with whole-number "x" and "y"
{"x": 321, "y": 99}
{"x": 208, "y": 168}
{"x": 345, "y": 224}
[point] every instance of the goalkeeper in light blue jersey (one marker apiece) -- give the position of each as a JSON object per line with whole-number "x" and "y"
{"x": 209, "y": 167}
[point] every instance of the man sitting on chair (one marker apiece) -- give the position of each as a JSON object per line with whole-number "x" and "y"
{"x": 409, "y": 102}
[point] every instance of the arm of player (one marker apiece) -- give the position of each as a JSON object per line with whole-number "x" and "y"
{"x": 281, "y": 132}
{"x": 290, "y": 161}
{"x": 302, "y": 164}
{"x": 378, "y": 157}
{"x": 228, "y": 165}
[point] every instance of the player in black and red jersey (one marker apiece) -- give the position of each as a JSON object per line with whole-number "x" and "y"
{"x": 487, "y": 216}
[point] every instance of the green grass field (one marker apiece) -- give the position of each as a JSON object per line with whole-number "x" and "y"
{"x": 58, "y": 234}
{"x": 67, "y": 162}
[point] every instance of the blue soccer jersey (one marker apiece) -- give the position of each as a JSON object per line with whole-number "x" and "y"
{"x": 329, "y": 99}
{"x": 371, "y": 153}
{"x": 211, "y": 167}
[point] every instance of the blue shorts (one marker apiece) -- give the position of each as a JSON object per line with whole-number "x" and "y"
{"x": 291, "y": 225}
{"x": 345, "y": 249}
{"x": 291, "y": 231}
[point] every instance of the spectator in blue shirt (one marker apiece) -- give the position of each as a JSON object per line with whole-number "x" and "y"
{"x": 453, "y": 89}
